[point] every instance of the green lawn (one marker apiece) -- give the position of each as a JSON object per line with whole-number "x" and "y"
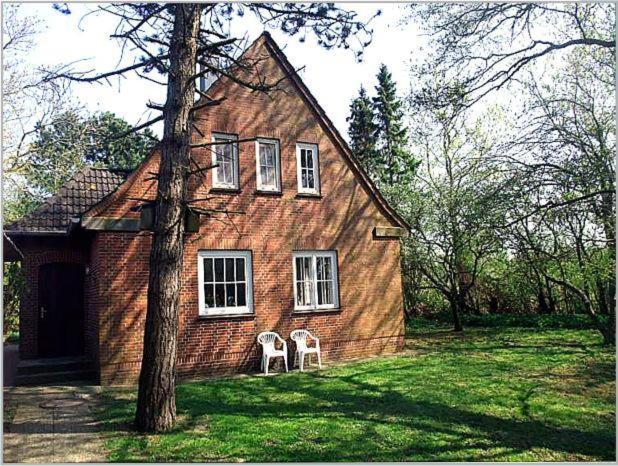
{"x": 497, "y": 395}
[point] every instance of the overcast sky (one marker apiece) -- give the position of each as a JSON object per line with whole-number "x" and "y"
{"x": 333, "y": 76}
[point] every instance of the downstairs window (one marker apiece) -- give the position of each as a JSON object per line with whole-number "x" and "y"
{"x": 315, "y": 280}
{"x": 225, "y": 282}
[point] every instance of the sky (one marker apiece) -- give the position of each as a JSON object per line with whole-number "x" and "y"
{"x": 333, "y": 76}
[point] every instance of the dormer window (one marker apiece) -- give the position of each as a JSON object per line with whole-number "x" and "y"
{"x": 225, "y": 156}
{"x": 268, "y": 165}
{"x": 307, "y": 168}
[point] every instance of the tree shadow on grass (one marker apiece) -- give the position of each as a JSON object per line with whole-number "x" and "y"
{"x": 374, "y": 413}
{"x": 362, "y": 419}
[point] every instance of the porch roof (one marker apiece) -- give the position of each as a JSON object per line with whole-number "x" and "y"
{"x": 86, "y": 187}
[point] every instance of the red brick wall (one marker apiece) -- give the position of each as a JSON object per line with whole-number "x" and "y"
{"x": 370, "y": 320}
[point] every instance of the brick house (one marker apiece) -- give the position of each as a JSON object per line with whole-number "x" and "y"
{"x": 316, "y": 245}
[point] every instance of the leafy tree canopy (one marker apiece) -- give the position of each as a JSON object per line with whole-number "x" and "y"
{"x": 73, "y": 140}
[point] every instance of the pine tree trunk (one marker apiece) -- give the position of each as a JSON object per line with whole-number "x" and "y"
{"x": 156, "y": 403}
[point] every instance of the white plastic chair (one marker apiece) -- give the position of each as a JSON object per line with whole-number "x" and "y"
{"x": 300, "y": 338}
{"x": 267, "y": 340}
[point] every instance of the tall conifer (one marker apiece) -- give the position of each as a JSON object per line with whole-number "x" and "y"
{"x": 394, "y": 160}
{"x": 361, "y": 130}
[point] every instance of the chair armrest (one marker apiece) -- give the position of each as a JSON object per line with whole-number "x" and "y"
{"x": 316, "y": 339}
{"x": 283, "y": 342}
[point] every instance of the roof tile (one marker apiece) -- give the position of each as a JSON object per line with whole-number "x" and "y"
{"x": 86, "y": 188}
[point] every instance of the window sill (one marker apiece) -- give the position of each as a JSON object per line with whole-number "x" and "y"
{"x": 226, "y": 316}
{"x": 225, "y": 190}
{"x": 334, "y": 310}
{"x": 309, "y": 195}
{"x": 259, "y": 192}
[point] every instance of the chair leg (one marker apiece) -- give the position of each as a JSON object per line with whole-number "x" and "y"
{"x": 301, "y": 357}
{"x": 266, "y": 361}
{"x": 295, "y": 359}
{"x": 285, "y": 360}
{"x": 319, "y": 360}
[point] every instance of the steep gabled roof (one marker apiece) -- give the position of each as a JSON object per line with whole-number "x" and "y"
{"x": 332, "y": 130}
{"x": 322, "y": 118}
{"x": 86, "y": 188}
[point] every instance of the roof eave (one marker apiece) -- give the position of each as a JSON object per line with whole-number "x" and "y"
{"x": 35, "y": 233}
{"x": 313, "y": 103}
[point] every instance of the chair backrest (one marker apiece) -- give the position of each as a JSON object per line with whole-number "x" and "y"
{"x": 267, "y": 340}
{"x": 300, "y": 338}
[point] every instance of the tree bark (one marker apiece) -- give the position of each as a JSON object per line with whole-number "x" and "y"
{"x": 457, "y": 306}
{"x": 156, "y": 403}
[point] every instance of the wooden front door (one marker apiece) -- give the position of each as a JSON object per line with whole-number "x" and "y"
{"x": 61, "y": 310}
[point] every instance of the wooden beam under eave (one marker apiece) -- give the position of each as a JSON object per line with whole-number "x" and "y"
{"x": 110, "y": 224}
{"x": 389, "y": 232}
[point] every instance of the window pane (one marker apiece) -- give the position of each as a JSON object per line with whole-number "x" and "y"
{"x": 229, "y": 270}
{"x": 219, "y": 269}
{"x": 209, "y": 297}
{"x": 330, "y": 294}
{"x": 220, "y": 295}
{"x": 310, "y": 182}
{"x": 308, "y": 293}
{"x": 240, "y": 270}
{"x": 241, "y": 292}
{"x": 230, "y": 295}
{"x": 304, "y": 293}
{"x": 325, "y": 263}
{"x": 299, "y": 269}
{"x": 309, "y": 158}
{"x": 325, "y": 292}
{"x": 308, "y": 272}
{"x": 270, "y": 176}
{"x": 304, "y": 182}
{"x": 208, "y": 270}
{"x": 303, "y": 158}
{"x": 267, "y": 154}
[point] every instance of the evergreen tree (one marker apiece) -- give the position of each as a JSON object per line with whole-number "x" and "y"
{"x": 394, "y": 161}
{"x": 361, "y": 130}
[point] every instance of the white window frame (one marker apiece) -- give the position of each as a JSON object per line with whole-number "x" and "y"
{"x": 225, "y": 254}
{"x": 316, "y": 168}
{"x": 235, "y": 171}
{"x": 260, "y": 186}
{"x": 314, "y": 254}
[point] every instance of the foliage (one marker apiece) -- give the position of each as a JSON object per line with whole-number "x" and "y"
{"x": 488, "y": 46}
{"x": 394, "y": 162}
{"x": 510, "y": 395}
{"x": 361, "y": 131}
{"x": 441, "y": 320}
{"x": 456, "y": 204}
{"x": 73, "y": 140}
{"x": 549, "y": 170}
{"x": 13, "y": 285}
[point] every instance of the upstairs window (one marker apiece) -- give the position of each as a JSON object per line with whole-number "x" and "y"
{"x": 225, "y": 281}
{"x": 315, "y": 280}
{"x": 307, "y": 168}
{"x": 268, "y": 165}
{"x": 225, "y": 156}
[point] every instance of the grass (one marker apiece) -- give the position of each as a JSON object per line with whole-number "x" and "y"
{"x": 489, "y": 395}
